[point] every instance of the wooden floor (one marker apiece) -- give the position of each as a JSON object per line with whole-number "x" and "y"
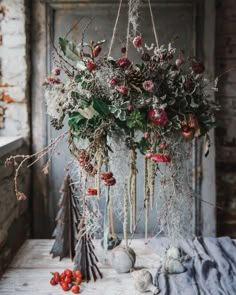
{"x": 29, "y": 273}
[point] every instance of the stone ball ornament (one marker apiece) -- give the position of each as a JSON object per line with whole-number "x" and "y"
{"x": 122, "y": 259}
{"x": 143, "y": 281}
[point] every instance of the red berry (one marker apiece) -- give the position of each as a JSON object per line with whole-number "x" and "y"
{"x": 78, "y": 280}
{"x": 114, "y": 81}
{"x": 65, "y": 287}
{"x": 149, "y": 155}
{"x": 57, "y": 277}
{"x": 63, "y": 275}
{"x": 130, "y": 108}
{"x": 68, "y": 273}
{"x": 146, "y": 135}
{"x": 53, "y": 282}
{"x": 78, "y": 274}
{"x": 67, "y": 280}
{"x": 90, "y": 66}
{"x": 75, "y": 289}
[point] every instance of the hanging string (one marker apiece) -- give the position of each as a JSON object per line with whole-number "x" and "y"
{"x": 127, "y": 33}
{"x": 153, "y": 23}
{"x": 115, "y": 28}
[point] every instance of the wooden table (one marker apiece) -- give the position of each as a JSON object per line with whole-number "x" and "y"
{"x": 29, "y": 273}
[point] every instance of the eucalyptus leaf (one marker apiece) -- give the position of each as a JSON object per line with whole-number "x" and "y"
{"x": 69, "y": 49}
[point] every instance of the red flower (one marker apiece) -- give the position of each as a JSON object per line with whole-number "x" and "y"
{"x": 123, "y": 89}
{"x": 137, "y": 42}
{"x": 198, "y": 68}
{"x": 148, "y": 86}
{"x": 162, "y": 158}
{"x": 123, "y": 62}
{"x": 91, "y": 66}
{"x": 158, "y": 117}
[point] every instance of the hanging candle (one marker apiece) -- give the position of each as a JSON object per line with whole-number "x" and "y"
{"x": 143, "y": 281}
{"x": 123, "y": 259}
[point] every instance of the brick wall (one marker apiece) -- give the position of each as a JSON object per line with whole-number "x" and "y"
{"x": 226, "y": 132}
{"x": 14, "y": 90}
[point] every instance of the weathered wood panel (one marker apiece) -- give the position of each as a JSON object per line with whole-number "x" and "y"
{"x": 29, "y": 273}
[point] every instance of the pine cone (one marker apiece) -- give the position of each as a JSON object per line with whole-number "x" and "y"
{"x": 135, "y": 77}
{"x": 151, "y": 70}
{"x": 57, "y": 124}
{"x": 88, "y": 167}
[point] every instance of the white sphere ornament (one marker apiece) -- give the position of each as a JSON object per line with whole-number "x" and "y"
{"x": 143, "y": 281}
{"x": 179, "y": 62}
{"x": 123, "y": 259}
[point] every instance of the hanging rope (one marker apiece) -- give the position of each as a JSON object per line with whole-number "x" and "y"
{"x": 115, "y": 28}
{"x": 153, "y": 23}
{"x": 127, "y": 33}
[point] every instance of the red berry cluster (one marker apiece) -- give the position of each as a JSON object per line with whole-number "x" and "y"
{"x": 108, "y": 178}
{"x": 84, "y": 162}
{"x": 68, "y": 280}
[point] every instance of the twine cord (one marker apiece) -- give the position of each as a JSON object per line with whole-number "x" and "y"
{"x": 115, "y": 28}
{"x": 153, "y": 24}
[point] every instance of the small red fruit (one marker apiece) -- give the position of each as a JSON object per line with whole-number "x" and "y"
{"x": 53, "y": 282}
{"x": 91, "y": 66}
{"x": 57, "y": 277}
{"x": 78, "y": 274}
{"x": 130, "y": 108}
{"x": 78, "y": 280}
{"x": 67, "y": 279}
{"x": 65, "y": 287}
{"x": 110, "y": 181}
{"x": 106, "y": 175}
{"x": 148, "y": 155}
{"x": 146, "y": 135}
{"x": 123, "y": 90}
{"x": 63, "y": 275}
{"x": 75, "y": 289}
{"x": 114, "y": 81}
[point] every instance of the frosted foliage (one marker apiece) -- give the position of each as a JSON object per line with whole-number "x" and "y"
{"x": 89, "y": 206}
{"x": 175, "y": 195}
{"x": 121, "y": 168}
{"x": 134, "y": 6}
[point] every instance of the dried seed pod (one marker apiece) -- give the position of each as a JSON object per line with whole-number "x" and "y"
{"x": 145, "y": 56}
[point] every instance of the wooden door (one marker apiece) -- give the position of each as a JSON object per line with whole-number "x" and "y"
{"x": 173, "y": 19}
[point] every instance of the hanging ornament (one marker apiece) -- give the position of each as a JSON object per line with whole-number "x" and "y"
{"x": 143, "y": 281}
{"x": 173, "y": 263}
{"x": 123, "y": 259}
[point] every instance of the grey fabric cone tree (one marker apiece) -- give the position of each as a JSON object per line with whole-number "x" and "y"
{"x": 85, "y": 259}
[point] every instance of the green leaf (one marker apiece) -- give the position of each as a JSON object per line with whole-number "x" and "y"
{"x": 75, "y": 119}
{"x": 143, "y": 145}
{"x": 135, "y": 120}
{"x": 69, "y": 49}
{"x": 101, "y": 107}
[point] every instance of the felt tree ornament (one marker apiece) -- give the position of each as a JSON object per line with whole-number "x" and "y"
{"x": 66, "y": 230}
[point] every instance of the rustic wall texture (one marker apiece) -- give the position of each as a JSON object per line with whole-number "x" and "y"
{"x": 226, "y": 132}
{"x": 14, "y": 57}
